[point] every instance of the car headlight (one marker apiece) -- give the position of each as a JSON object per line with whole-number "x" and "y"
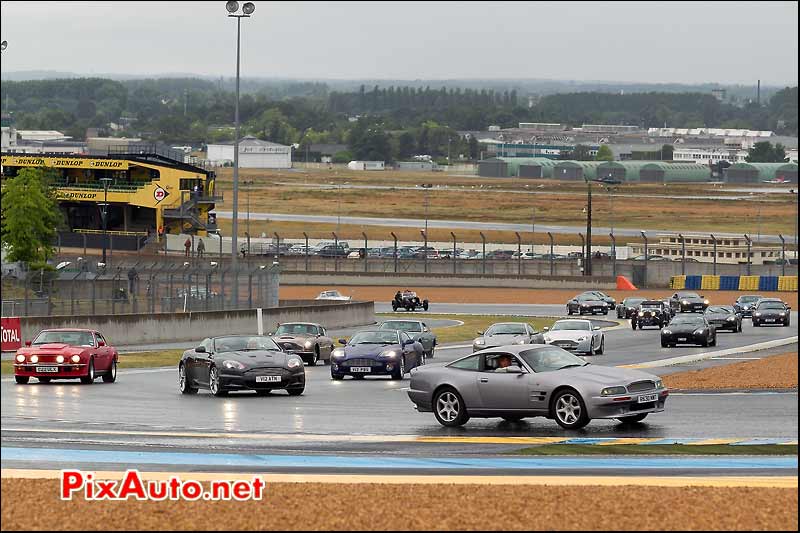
{"x": 582, "y": 339}
{"x": 685, "y": 302}
{"x": 233, "y": 365}
{"x": 34, "y": 359}
{"x": 584, "y": 305}
{"x": 731, "y": 319}
{"x": 309, "y": 344}
{"x": 59, "y": 359}
{"x": 782, "y": 313}
{"x": 521, "y": 341}
{"x": 389, "y": 353}
{"x": 706, "y": 302}
{"x": 757, "y": 314}
{"x": 641, "y": 313}
{"x": 480, "y": 342}
{"x": 338, "y": 352}
{"x": 666, "y": 332}
{"x": 613, "y": 391}
{"x": 294, "y": 362}
{"x": 76, "y": 358}
{"x": 20, "y": 358}
{"x": 659, "y": 384}
{"x": 699, "y": 331}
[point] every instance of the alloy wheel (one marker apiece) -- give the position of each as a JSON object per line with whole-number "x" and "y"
{"x": 213, "y": 380}
{"x": 182, "y": 378}
{"x": 568, "y": 409}
{"x": 448, "y": 406}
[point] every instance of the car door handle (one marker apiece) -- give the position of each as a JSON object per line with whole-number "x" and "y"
{"x": 484, "y": 380}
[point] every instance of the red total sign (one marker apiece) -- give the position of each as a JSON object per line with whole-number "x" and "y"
{"x": 11, "y": 333}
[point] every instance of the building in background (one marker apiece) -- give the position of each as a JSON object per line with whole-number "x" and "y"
{"x": 700, "y": 248}
{"x": 253, "y": 153}
{"x": 39, "y": 142}
{"x": 366, "y": 165}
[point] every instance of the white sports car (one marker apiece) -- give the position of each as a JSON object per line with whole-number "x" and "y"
{"x": 576, "y": 335}
{"x": 333, "y": 295}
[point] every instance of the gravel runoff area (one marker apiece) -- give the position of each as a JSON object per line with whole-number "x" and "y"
{"x": 774, "y": 372}
{"x": 430, "y": 507}
{"x": 485, "y": 295}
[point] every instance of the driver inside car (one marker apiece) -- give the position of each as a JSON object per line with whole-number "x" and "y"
{"x": 503, "y": 363}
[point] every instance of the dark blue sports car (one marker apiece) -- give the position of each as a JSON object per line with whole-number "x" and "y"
{"x": 377, "y": 353}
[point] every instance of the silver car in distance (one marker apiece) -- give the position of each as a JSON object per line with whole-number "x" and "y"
{"x": 516, "y": 382}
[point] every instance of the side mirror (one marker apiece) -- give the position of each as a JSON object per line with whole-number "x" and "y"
{"x": 270, "y": 334}
{"x": 514, "y": 370}
{"x": 27, "y": 343}
{"x": 200, "y": 349}
{"x": 480, "y": 333}
{"x": 342, "y": 341}
{"x": 101, "y": 343}
{"x": 788, "y": 307}
{"x": 546, "y": 328}
{"x": 596, "y": 328}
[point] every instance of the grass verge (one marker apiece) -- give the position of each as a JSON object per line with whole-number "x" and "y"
{"x": 128, "y": 360}
{"x": 658, "y": 449}
{"x": 471, "y": 324}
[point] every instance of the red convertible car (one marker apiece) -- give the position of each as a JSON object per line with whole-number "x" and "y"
{"x": 66, "y": 354}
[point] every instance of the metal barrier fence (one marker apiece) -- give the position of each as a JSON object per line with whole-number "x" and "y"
{"x": 139, "y": 288}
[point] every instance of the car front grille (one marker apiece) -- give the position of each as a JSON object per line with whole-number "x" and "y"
{"x": 567, "y": 345}
{"x": 266, "y": 371}
{"x": 362, "y": 362}
{"x": 639, "y": 386}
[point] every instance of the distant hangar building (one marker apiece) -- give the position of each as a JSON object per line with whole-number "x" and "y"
{"x": 253, "y": 153}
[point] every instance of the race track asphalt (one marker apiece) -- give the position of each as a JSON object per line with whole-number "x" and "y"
{"x": 144, "y": 409}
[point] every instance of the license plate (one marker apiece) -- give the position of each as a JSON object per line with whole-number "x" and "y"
{"x": 648, "y": 398}
{"x": 268, "y": 379}
{"x": 53, "y": 369}
{"x": 769, "y": 320}
{"x": 682, "y": 339}
{"x": 360, "y": 369}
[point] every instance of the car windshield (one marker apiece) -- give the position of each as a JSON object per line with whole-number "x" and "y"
{"x": 687, "y": 320}
{"x": 586, "y": 297}
{"x": 719, "y": 309}
{"x": 749, "y": 299}
{"x": 582, "y": 325}
{"x": 551, "y": 358}
{"x": 297, "y": 329}
{"x": 243, "y": 343}
{"x": 409, "y": 294}
{"x": 402, "y": 325}
{"x": 506, "y": 329}
{"x": 374, "y": 337}
{"x": 688, "y": 295}
{"x": 632, "y": 302}
{"x": 329, "y": 294}
{"x": 771, "y": 305}
{"x": 73, "y": 338}
{"x": 651, "y": 305}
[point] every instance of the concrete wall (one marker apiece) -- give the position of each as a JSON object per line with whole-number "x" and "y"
{"x": 130, "y": 329}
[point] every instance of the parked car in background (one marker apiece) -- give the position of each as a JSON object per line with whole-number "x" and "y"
{"x": 587, "y": 304}
{"x": 66, "y": 354}
{"x": 333, "y": 295}
{"x": 724, "y": 317}
{"x": 650, "y": 258}
{"x": 417, "y": 330}
{"x": 771, "y": 311}
{"x": 498, "y": 383}
{"x": 627, "y": 308}
{"x": 745, "y": 304}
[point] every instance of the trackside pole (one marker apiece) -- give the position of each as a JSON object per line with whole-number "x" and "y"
{"x": 260, "y": 320}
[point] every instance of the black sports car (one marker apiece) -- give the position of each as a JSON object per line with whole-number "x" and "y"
{"x": 688, "y": 329}
{"x": 627, "y": 308}
{"x": 771, "y": 311}
{"x": 586, "y": 303}
{"x": 724, "y": 317}
{"x": 240, "y": 362}
{"x": 650, "y": 313}
{"x": 408, "y": 300}
{"x": 745, "y": 304}
{"x": 688, "y": 302}
{"x": 603, "y": 297}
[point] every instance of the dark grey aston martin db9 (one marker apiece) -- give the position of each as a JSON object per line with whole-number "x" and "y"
{"x": 515, "y": 382}
{"x": 240, "y": 362}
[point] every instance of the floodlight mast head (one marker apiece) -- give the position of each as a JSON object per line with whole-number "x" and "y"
{"x": 249, "y": 8}
{"x": 4, "y": 44}
{"x": 232, "y": 6}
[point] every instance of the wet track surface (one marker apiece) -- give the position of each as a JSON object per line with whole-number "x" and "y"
{"x": 144, "y": 409}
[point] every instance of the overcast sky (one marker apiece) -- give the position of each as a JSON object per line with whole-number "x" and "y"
{"x": 726, "y": 42}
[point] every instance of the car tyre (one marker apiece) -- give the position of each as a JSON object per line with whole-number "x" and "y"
{"x": 633, "y": 325}
{"x": 713, "y": 341}
{"x": 664, "y": 344}
{"x": 111, "y": 375}
{"x": 183, "y": 381}
{"x": 337, "y": 377}
{"x": 22, "y": 380}
{"x": 401, "y": 370}
{"x": 394, "y": 305}
{"x": 214, "y": 384}
{"x": 315, "y": 357}
{"x": 569, "y": 410}
{"x": 569, "y": 311}
{"x": 449, "y": 408}
{"x": 633, "y": 419}
{"x": 88, "y": 379}
{"x": 296, "y": 391}
{"x": 602, "y": 346}
{"x": 424, "y": 305}
{"x": 44, "y": 380}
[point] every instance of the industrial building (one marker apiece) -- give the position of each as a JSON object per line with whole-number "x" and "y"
{"x": 700, "y": 248}
{"x": 627, "y": 171}
{"x": 366, "y": 165}
{"x": 760, "y": 172}
{"x": 253, "y": 153}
